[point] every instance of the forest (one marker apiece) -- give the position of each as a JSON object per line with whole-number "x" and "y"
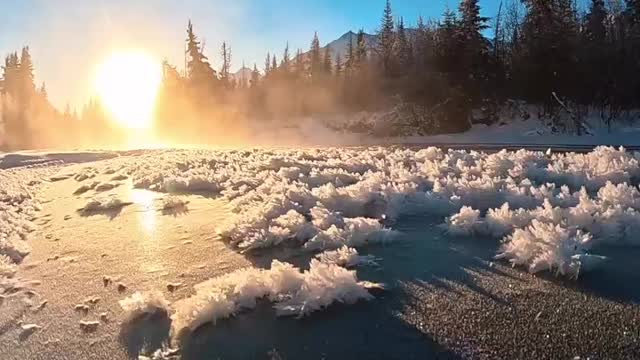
{"x": 442, "y": 75}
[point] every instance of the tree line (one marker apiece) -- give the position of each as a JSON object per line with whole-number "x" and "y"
{"x": 436, "y": 72}
{"x": 544, "y": 52}
{"x": 28, "y": 120}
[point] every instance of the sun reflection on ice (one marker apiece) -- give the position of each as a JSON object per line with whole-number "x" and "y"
{"x": 147, "y": 216}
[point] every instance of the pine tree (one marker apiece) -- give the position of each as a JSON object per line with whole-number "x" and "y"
{"x": 327, "y": 66}
{"x": 405, "y": 50}
{"x": 386, "y": 39}
{"x": 274, "y": 63}
{"x": 43, "y": 91}
{"x": 255, "y": 76}
{"x": 595, "y": 28}
{"x": 338, "y": 65}
{"x": 27, "y": 83}
{"x": 267, "y": 64}
{"x": 286, "y": 60}
{"x": 299, "y": 63}
{"x": 471, "y": 23}
{"x": 225, "y": 75}
{"x": 361, "y": 49}
{"x": 350, "y": 58}
{"x": 549, "y": 41}
{"x": 316, "y": 58}
{"x": 473, "y": 49}
{"x": 199, "y": 71}
{"x": 633, "y": 12}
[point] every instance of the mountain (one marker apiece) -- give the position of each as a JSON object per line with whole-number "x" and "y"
{"x": 341, "y": 45}
{"x": 242, "y": 75}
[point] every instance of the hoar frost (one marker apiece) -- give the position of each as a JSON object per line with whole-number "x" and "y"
{"x": 324, "y": 199}
{"x": 293, "y": 292}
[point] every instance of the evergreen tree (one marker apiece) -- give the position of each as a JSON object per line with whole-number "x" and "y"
{"x": 338, "y": 65}
{"x": 328, "y": 62}
{"x": 267, "y": 64}
{"x": 386, "y": 39}
{"x": 350, "y": 58}
{"x": 255, "y": 76}
{"x": 299, "y": 64}
{"x": 316, "y": 57}
{"x": 595, "y": 28}
{"x": 43, "y": 91}
{"x": 361, "y": 50}
{"x": 225, "y": 68}
{"x": 286, "y": 60}
{"x": 26, "y": 72}
{"x": 274, "y": 63}
{"x": 405, "y": 50}
{"x": 199, "y": 71}
{"x": 474, "y": 50}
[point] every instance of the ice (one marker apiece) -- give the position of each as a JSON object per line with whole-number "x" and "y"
{"x": 346, "y": 257}
{"x": 144, "y": 303}
{"x": 103, "y": 203}
{"x": 543, "y": 246}
{"x": 7, "y": 267}
{"x": 173, "y": 203}
{"x": 294, "y": 292}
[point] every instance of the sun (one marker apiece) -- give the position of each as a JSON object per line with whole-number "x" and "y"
{"x": 127, "y": 84}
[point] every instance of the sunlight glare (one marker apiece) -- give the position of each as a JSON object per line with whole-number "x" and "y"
{"x": 127, "y": 84}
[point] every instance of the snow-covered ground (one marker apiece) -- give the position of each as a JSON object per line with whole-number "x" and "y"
{"x": 325, "y": 209}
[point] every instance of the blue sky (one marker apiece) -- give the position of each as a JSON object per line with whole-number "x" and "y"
{"x": 68, "y": 38}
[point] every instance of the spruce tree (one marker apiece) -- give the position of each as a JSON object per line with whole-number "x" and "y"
{"x": 338, "y": 64}
{"x": 405, "y": 50}
{"x": 350, "y": 58}
{"x": 327, "y": 66}
{"x": 225, "y": 75}
{"x": 361, "y": 49}
{"x": 255, "y": 76}
{"x": 386, "y": 39}
{"x": 316, "y": 57}
{"x": 286, "y": 60}
{"x": 267, "y": 64}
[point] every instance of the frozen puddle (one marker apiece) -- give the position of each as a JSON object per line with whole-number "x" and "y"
{"x": 337, "y": 240}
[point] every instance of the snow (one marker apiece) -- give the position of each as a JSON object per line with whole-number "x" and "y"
{"x": 293, "y": 292}
{"x": 18, "y": 207}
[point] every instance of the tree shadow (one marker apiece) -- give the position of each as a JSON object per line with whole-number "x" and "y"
{"x": 365, "y": 329}
{"x": 145, "y": 334}
{"x": 423, "y": 257}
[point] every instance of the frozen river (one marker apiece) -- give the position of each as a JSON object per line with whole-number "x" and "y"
{"x": 231, "y": 254}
